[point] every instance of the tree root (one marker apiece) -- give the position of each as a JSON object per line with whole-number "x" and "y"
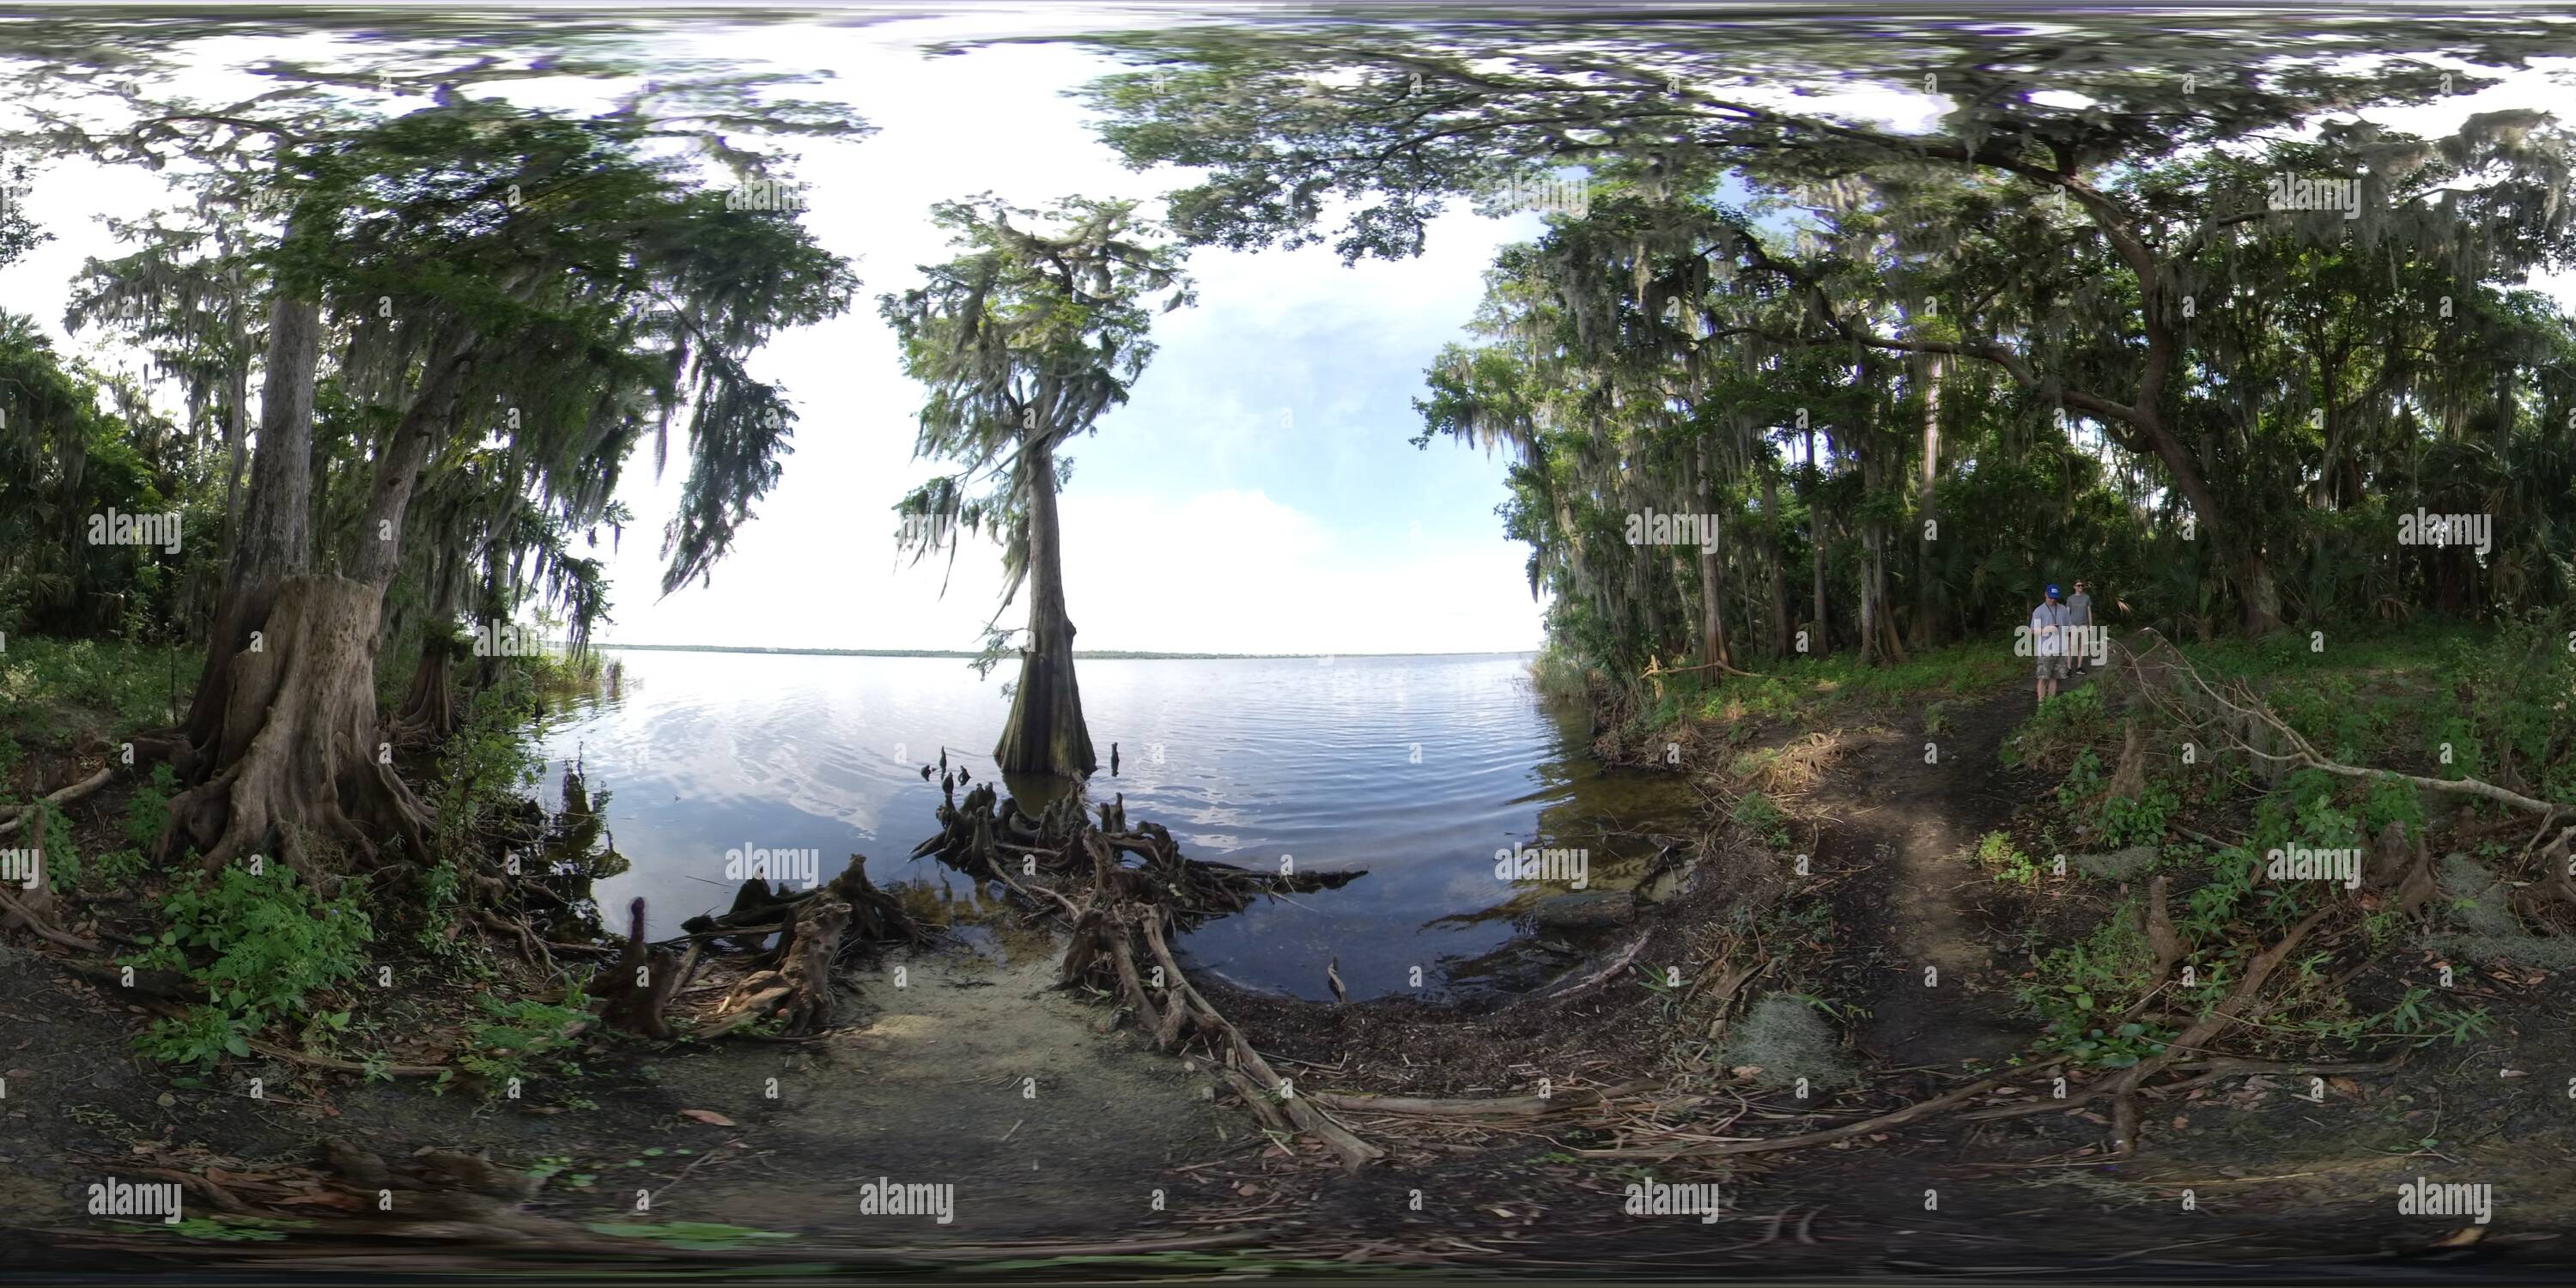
{"x": 2191, "y": 1041}
{"x": 2215, "y": 1068}
{"x": 799, "y": 992}
{"x": 338, "y": 1065}
{"x": 62, "y": 796}
{"x": 635, "y": 989}
{"x": 33, "y": 918}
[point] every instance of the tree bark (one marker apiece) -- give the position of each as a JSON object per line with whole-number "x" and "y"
{"x": 1712, "y": 578}
{"x": 1823, "y": 642}
{"x": 1926, "y": 622}
{"x": 274, "y": 539}
{"x": 284, "y": 740}
{"x": 1771, "y": 549}
{"x": 1045, "y": 733}
{"x": 378, "y": 553}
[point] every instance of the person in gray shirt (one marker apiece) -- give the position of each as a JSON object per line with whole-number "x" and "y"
{"x": 2079, "y": 612}
{"x": 2048, "y": 643}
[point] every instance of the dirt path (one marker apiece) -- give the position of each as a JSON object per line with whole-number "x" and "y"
{"x": 974, "y": 1075}
{"x": 1909, "y": 817}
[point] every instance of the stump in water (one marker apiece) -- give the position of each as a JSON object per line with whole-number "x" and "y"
{"x": 638, "y": 987}
{"x": 295, "y": 757}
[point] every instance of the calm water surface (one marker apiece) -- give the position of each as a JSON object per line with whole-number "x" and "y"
{"x": 1416, "y": 769}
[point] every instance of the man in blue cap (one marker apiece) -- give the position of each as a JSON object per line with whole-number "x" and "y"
{"x": 2048, "y": 642}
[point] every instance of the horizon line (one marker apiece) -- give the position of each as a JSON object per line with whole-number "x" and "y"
{"x": 1111, "y": 655}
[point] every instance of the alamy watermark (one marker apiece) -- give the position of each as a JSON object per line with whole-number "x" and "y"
{"x": 1542, "y": 192}
{"x": 2301, "y": 863}
{"x": 24, "y": 869}
{"x": 117, "y": 528}
{"x": 2422, "y": 1197}
{"x": 113, "y": 1197}
{"x": 2421, "y": 529}
{"x": 885, "y": 1197}
{"x": 506, "y": 639}
{"x": 2302, "y": 192}
{"x": 925, "y": 531}
{"x": 1528, "y": 863}
{"x": 787, "y": 867}
{"x": 1652, "y": 527}
{"x": 765, "y": 194}
{"x": 2066, "y": 641}
{"x": 1651, "y": 1197}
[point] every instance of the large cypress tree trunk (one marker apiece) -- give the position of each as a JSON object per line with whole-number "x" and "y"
{"x": 1045, "y": 733}
{"x": 274, "y": 538}
{"x": 295, "y": 759}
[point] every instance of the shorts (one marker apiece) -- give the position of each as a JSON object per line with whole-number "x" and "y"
{"x": 2052, "y": 666}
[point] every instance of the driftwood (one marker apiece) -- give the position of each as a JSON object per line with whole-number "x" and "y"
{"x": 1119, "y": 946}
{"x": 1865, "y": 1126}
{"x": 990, "y": 838}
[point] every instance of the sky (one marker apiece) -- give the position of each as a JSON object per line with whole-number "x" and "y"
{"x": 1258, "y": 495}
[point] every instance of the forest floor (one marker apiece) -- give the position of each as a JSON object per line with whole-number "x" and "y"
{"x": 1074, "y": 1151}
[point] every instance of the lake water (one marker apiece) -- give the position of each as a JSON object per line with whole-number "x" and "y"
{"x": 1416, "y": 769}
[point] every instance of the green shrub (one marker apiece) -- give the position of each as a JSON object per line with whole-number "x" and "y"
{"x": 149, "y": 808}
{"x": 261, "y": 946}
{"x": 2004, "y": 861}
{"x": 1756, "y": 813}
{"x": 519, "y": 1034}
{"x": 2140, "y": 821}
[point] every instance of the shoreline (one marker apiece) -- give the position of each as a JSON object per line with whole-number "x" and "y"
{"x": 1082, "y": 655}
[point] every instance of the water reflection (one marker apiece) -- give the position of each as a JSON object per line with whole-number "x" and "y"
{"x": 1416, "y": 769}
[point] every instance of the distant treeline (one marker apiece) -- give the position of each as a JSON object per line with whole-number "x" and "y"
{"x": 1107, "y": 654}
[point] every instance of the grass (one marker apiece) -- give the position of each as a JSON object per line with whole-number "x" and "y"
{"x": 1808, "y": 688}
{"x": 49, "y": 685}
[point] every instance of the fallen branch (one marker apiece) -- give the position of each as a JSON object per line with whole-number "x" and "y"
{"x": 337, "y": 1065}
{"x": 62, "y": 796}
{"x": 2252, "y": 711}
{"x": 2190, "y": 1042}
{"x": 1309, "y": 1118}
{"x": 1845, "y": 1132}
{"x": 1498, "y": 1107}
